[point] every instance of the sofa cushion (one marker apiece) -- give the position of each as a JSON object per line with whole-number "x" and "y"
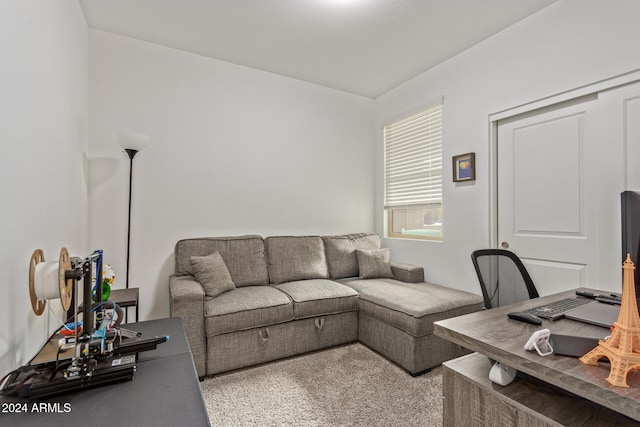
{"x": 318, "y": 297}
{"x": 341, "y": 255}
{"x": 374, "y": 264}
{"x": 295, "y": 258}
{"x": 244, "y": 256}
{"x": 412, "y": 307}
{"x": 212, "y": 273}
{"x": 246, "y": 308}
{"x": 407, "y": 272}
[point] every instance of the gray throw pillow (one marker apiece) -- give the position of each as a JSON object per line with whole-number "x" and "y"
{"x": 374, "y": 264}
{"x": 212, "y": 273}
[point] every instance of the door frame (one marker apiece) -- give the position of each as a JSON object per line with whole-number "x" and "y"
{"x": 590, "y": 89}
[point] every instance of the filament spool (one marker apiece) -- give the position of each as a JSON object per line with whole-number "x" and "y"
{"x": 47, "y": 281}
{"x": 66, "y": 286}
{"x": 37, "y": 305}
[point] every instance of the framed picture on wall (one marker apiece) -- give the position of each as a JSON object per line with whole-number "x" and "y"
{"x": 464, "y": 167}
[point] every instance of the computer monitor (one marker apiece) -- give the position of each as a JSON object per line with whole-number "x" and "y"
{"x": 630, "y": 209}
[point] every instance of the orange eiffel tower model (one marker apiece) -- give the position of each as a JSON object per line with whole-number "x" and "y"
{"x": 622, "y": 348}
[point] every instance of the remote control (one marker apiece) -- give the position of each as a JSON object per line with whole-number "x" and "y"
{"x": 525, "y": 317}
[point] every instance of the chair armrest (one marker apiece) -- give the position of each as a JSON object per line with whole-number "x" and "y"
{"x": 407, "y": 272}
{"x": 186, "y": 300}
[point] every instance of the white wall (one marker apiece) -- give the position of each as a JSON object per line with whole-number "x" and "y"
{"x": 43, "y": 135}
{"x": 566, "y": 45}
{"x": 234, "y": 151}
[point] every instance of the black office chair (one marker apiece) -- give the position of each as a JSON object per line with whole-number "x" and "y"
{"x": 503, "y": 277}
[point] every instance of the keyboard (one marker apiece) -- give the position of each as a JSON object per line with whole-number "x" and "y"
{"x": 555, "y": 310}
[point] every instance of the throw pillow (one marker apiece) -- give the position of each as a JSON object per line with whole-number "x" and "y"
{"x": 374, "y": 264}
{"x": 212, "y": 273}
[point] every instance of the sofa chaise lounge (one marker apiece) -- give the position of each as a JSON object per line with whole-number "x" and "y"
{"x": 247, "y": 300}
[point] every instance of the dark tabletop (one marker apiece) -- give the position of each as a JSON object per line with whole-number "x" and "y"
{"x": 165, "y": 391}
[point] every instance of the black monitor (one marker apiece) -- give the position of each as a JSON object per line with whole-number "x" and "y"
{"x": 630, "y": 209}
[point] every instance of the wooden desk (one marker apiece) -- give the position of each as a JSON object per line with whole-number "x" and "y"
{"x": 491, "y": 333}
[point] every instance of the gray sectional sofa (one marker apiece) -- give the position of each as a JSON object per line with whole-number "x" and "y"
{"x": 247, "y": 300}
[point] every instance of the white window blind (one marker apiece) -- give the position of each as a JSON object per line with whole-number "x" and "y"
{"x": 413, "y": 160}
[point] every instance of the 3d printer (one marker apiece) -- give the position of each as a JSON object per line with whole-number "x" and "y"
{"x": 89, "y": 351}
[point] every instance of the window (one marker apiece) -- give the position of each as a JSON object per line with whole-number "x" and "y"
{"x": 413, "y": 176}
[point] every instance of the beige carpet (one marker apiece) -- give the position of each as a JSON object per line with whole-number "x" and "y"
{"x": 343, "y": 386}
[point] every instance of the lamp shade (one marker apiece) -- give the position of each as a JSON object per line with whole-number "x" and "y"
{"x": 130, "y": 140}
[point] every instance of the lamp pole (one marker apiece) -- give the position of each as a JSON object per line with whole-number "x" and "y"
{"x": 132, "y": 153}
{"x": 131, "y": 142}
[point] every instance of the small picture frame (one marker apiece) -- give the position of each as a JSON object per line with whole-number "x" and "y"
{"x": 464, "y": 167}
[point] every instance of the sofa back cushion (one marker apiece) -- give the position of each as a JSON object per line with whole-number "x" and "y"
{"x": 296, "y": 258}
{"x": 244, "y": 257}
{"x": 341, "y": 252}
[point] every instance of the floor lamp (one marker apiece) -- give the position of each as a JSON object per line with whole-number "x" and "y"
{"x": 131, "y": 143}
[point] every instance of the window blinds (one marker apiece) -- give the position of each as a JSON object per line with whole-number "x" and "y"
{"x": 413, "y": 160}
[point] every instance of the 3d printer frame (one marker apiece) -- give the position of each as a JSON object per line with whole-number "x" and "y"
{"x": 103, "y": 353}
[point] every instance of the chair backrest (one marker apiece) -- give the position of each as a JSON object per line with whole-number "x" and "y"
{"x": 503, "y": 277}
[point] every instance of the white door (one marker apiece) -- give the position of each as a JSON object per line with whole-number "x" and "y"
{"x": 620, "y": 121}
{"x": 619, "y": 125}
{"x": 551, "y": 170}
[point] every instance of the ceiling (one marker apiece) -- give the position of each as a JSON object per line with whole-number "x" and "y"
{"x": 365, "y": 47}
